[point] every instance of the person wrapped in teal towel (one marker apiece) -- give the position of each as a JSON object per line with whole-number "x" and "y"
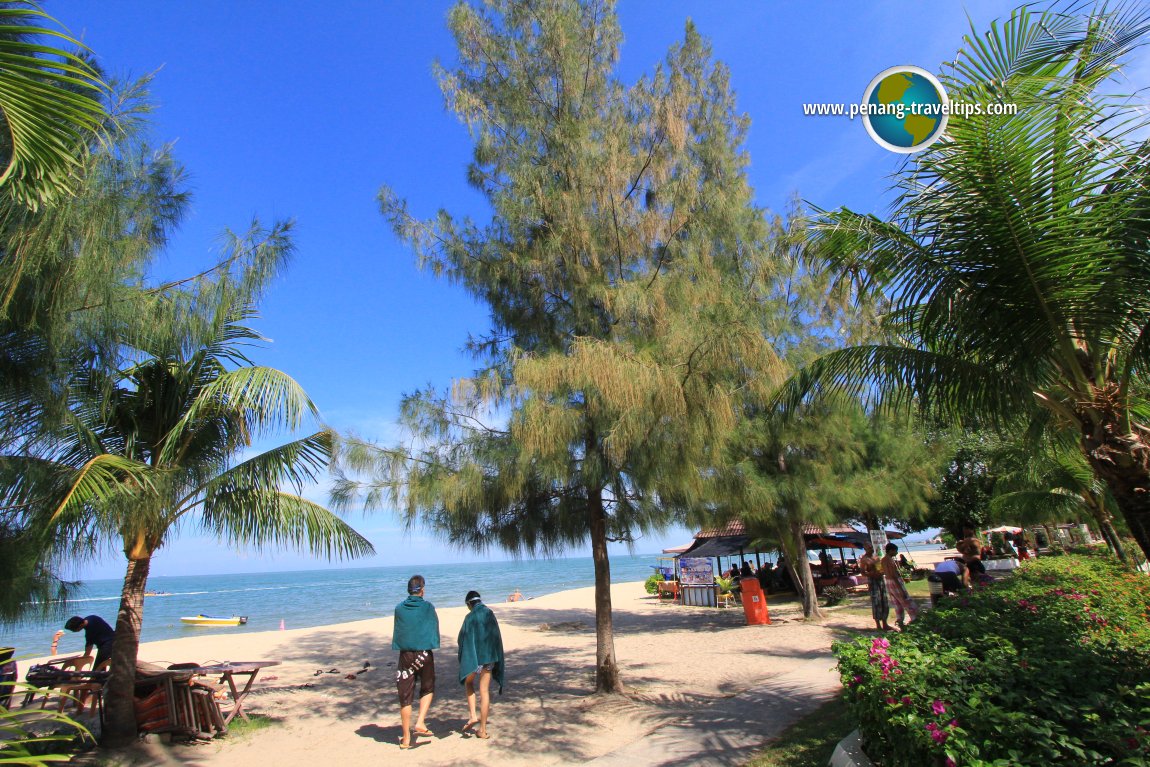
{"x": 480, "y": 660}
{"x": 416, "y": 635}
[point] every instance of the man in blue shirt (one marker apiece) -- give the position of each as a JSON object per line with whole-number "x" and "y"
{"x": 97, "y": 633}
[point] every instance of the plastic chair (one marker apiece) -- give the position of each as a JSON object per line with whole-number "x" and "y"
{"x": 81, "y": 693}
{"x": 79, "y": 663}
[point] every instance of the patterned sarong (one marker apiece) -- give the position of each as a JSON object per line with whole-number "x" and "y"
{"x": 879, "y": 608}
{"x": 896, "y": 591}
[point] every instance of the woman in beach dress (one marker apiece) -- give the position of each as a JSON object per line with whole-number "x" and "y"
{"x": 905, "y": 608}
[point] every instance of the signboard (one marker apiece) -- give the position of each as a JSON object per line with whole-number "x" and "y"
{"x": 696, "y": 572}
{"x": 878, "y": 540}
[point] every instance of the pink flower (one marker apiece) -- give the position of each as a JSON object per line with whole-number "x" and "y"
{"x": 938, "y": 707}
{"x": 950, "y": 762}
{"x": 906, "y": 700}
{"x": 939, "y": 736}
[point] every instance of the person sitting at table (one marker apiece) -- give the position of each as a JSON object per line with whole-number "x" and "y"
{"x": 97, "y": 633}
{"x": 764, "y": 575}
{"x": 745, "y": 571}
{"x": 952, "y": 575}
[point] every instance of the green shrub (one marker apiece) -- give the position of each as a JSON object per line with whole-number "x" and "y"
{"x": 834, "y": 594}
{"x": 652, "y": 584}
{"x": 1051, "y": 666}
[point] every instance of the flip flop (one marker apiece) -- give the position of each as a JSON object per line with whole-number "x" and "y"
{"x": 469, "y": 726}
{"x": 404, "y": 746}
{"x": 423, "y": 731}
{"x": 483, "y": 737}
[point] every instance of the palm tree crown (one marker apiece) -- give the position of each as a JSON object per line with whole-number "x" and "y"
{"x": 1017, "y": 258}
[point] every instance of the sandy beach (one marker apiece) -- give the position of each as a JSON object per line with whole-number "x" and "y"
{"x": 676, "y": 661}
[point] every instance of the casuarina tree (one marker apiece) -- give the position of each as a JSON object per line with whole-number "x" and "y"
{"x": 617, "y": 263}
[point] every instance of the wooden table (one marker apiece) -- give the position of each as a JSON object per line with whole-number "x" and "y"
{"x": 228, "y": 672}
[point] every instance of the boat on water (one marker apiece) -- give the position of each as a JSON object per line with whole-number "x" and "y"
{"x": 157, "y": 593}
{"x": 214, "y": 620}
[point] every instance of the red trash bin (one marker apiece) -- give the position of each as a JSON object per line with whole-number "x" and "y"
{"x": 754, "y": 602}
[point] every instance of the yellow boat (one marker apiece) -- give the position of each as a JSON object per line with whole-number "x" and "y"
{"x": 210, "y": 620}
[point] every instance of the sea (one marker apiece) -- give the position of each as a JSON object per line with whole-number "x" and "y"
{"x": 307, "y": 598}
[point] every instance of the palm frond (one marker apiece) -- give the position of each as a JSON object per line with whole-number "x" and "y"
{"x": 898, "y": 377}
{"x": 52, "y": 104}
{"x": 264, "y": 399}
{"x": 262, "y": 518}
{"x": 296, "y": 463}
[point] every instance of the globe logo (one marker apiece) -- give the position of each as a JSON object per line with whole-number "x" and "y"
{"x": 905, "y": 109}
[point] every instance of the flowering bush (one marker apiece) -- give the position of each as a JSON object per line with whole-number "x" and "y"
{"x": 1051, "y": 666}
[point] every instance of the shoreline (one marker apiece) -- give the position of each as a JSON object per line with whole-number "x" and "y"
{"x": 449, "y": 616}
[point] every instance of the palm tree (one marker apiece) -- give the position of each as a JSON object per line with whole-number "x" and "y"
{"x": 172, "y": 424}
{"x": 51, "y": 105}
{"x": 1017, "y": 256}
{"x": 1037, "y": 486}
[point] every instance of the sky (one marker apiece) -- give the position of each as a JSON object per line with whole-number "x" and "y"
{"x": 302, "y": 110}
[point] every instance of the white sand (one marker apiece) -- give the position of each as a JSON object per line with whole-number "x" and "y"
{"x": 674, "y": 660}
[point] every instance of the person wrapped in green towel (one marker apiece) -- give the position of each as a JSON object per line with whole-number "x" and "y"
{"x": 415, "y": 635}
{"x": 480, "y": 659}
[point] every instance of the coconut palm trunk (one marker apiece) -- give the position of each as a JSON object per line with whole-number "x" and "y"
{"x": 120, "y": 708}
{"x": 1122, "y": 461}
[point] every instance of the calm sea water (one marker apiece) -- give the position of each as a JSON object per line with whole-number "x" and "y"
{"x": 312, "y": 597}
{"x": 317, "y": 597}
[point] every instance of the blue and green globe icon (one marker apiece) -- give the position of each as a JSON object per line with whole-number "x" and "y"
{"x": 906, "y": 109}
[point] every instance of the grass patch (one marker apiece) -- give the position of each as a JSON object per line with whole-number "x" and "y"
{"x": 239, "y": 728}
{"x": 810, "y": 741}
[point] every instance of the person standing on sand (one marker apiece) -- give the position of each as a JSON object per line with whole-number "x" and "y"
{"x": 905, "y": 608}
{"x": 480, "y": 660}
{"x": 416, "y": 635}
{"x": 879, "y": 607}
{"x": 97, "y": 633}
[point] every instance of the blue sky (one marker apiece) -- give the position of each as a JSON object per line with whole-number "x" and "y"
{"x": 303, "y": 110}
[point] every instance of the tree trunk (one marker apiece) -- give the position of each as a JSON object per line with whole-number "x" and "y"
{"x": 1106, "y": 527}
{"x": 606, "y": 669}
{"x": 1122, "y": 461}
{"x": 1108, "y": 532}
{"x": 119, "y": 693}
{"x": 800, "y": 566}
